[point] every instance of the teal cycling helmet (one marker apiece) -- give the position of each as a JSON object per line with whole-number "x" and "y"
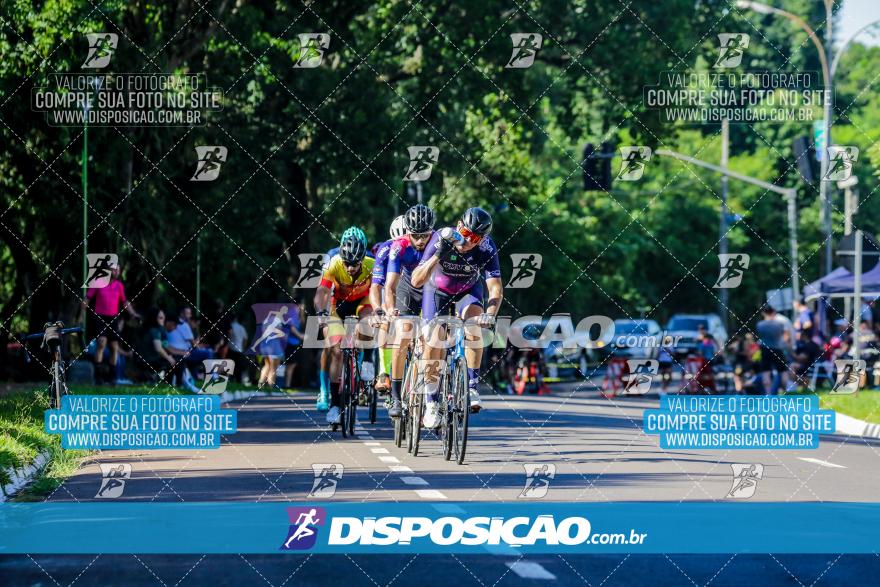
{"x": 353, "y": 245}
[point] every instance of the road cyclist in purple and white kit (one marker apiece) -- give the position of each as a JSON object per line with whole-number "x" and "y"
{"x": 377, "y": 292}
{"x": 451, "y": 271}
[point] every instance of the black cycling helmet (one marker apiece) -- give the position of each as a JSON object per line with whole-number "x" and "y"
{"x": 352, "y": 248}
{"x": 477, "y": 221}
{"x": 419, "y": 219}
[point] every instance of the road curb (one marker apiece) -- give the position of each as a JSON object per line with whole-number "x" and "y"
{"x": 23, "y": 475}
{"x": 854, "y": 427}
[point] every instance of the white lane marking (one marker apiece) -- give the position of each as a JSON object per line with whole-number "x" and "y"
{"x": 372, "y": 444}
{"x": 389, "y": 459}
{"x": 429, "y": 494}
{"x": 822, "y": 463}
{"x": 365, "y": 437}
{"x": 401, "y": 469}
{"x": 379, "y": 451}
{"x": 530, "y": 570}
{"x": 413, "y": 480}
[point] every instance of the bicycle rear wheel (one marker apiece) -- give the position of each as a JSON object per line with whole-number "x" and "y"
{"x": 461, "y": 410}
{"x": 374, "y": 402}
{"x": 57, "y": 384}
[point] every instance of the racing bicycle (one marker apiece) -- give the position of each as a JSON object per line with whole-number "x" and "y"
{"x": 52, "y": 335}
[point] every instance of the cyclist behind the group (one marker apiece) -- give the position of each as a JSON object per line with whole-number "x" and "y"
{"x": 451, "y": 274}
{"x": 398, "y": 229}
{"x": 401, "y": 297}
{"x": 344, "y": 290}
{"x": 324, "y": 360}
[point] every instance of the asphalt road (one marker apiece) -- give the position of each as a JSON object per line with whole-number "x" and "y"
{"x": 596, "y": 445}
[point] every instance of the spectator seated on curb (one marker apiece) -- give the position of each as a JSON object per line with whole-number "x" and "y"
{"x": 182, "y": 343}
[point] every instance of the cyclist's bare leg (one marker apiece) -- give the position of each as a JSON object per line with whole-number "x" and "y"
{"x": 473, "y": 351}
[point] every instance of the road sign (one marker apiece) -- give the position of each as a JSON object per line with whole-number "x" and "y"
{"x": 780, "y": 299}
{"x": 819, "y": 138}
{"x": 846, "y": 252}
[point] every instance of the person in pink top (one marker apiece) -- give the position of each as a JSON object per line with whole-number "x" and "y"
{"x": 102, "y": 307}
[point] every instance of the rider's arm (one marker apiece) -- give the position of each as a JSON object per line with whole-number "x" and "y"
{"x": 421, "y": 273}
{"x": 322, "y": 298}
{"x": 376, "y": 295}
{"x": 496, "y": 294}
{"x": 391, "y": 281}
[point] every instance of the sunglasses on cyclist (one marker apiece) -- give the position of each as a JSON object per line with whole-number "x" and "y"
{"x": 469, "y": 235}
{"x": 352, "y": 265}
{"x": 420, "y": 235}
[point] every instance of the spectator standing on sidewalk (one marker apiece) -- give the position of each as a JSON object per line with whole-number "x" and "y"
{"x": 294, "y": 339}
{"x": 238, "y": 338}
{"x": 804, "y": 320}
{"x": 101, "y": 309}
{"x": 774, "y": 355}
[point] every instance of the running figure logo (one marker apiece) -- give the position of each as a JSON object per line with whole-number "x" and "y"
{"x": 113, "y": 478}
{"x": 312, "y": 266}
{"x": 311, "y": 50}
{"x": 525, "y": 48}
{"x": 210, "y": 158}
{"x": 538, "y": 477}
{"x": 632, "y": 162}
{"x": 732, "y": 48}
{"x": 641, "y": 374}
{"x": 745, "y": 480}
{"x": 431, "y": 370}
{"x": 217, "y": 374}
{"x": 733, "y": 267}
{"x": 303, "y": 531}
{"x": 271, "y": 332}
{"x": 421, "y": 162}
{"x": 101, "y": 266}
{"x": 849, "y": 375}
{"x": 840, "y": 162}
{"x": 327, "y": 478}
{"x": 525, "y": 268}
{"x": 101, "y": 49}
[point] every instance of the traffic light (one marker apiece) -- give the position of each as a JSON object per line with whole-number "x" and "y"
{"x": 607, "y": 158}
{"x": 804, "y": 154}
{"x": 590, "y": 166}
{"x": 597, "y": 167}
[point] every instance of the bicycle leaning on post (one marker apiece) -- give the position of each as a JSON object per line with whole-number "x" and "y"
{"x": 52, "y": 335}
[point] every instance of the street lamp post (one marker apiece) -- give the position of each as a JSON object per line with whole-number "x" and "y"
{"x": 824, "y": 58}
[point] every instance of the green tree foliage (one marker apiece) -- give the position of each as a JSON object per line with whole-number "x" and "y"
{"x": 312, "y": 151}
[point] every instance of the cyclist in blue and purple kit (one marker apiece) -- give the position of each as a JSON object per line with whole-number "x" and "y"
{"x": 401, "y": 296}
{"x": 452, "y": 271}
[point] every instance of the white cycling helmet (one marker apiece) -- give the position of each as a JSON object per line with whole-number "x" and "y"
{"x": 398, "y": 227}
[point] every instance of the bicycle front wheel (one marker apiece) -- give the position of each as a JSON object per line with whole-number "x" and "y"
{"x": 461, "y": 410}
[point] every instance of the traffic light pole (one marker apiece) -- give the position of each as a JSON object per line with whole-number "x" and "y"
{"x": 789, "y": 193}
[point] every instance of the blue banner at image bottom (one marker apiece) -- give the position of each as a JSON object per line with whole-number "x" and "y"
{"x": 476, "y": 528}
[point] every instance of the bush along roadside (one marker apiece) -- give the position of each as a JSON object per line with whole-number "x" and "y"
{"x": 23, "y": 444}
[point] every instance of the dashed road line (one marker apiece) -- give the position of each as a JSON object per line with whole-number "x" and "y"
{"x": 413, "y": 480}
{"x": 530, "y": 570}
{"x": 822, "y": 463}
{"x": 430, "y": 494}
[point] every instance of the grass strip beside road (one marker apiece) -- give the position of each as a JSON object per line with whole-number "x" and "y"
{"x": 864, "y": 405}
{"x": 22, "y": 437}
